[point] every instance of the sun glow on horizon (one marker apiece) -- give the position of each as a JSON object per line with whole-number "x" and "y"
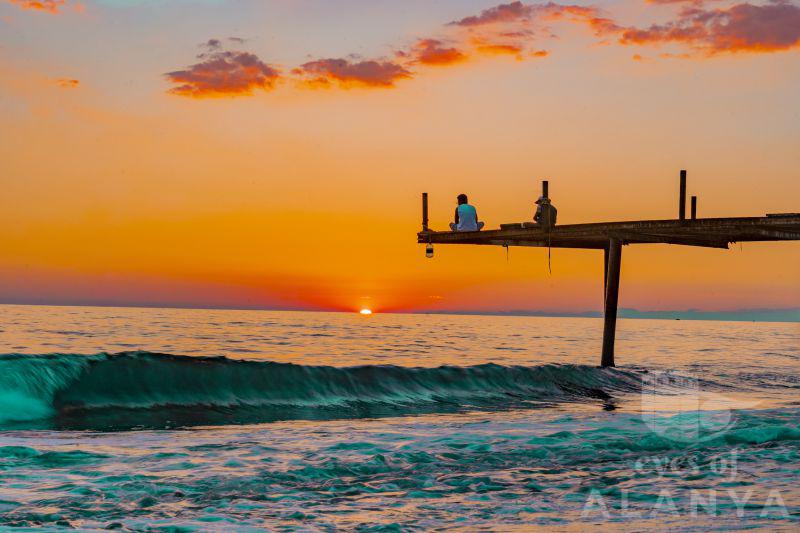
{"x": 366, "y": 311}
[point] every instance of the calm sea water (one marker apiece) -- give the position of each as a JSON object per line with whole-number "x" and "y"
{"x": 154, "y": 419}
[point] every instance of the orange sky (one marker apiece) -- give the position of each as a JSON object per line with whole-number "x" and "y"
{"x": 278, "y": 170}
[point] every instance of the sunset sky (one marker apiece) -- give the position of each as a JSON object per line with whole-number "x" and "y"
{"x": 271, "y": 154}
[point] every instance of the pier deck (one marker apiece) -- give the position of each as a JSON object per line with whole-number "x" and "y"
{"x": 708, "y": 232}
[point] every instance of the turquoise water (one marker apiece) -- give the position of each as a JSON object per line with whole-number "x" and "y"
{"x": 150, "y": 419}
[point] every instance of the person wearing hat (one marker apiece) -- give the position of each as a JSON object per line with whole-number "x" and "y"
{"x": 546, "y": 212}
{"x": 466, "y": 217}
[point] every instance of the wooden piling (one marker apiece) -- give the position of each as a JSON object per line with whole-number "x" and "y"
{"x": 424, "y": 211}
{"x": 612, "y": 298}
{"x": 682, "y": 199}
{"x": 694, "y": 207}
{"x": 605, "y": 272}
{"x": 546, "y": 189}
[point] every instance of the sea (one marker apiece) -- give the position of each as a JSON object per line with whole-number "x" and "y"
{"x": 141, "y": 419}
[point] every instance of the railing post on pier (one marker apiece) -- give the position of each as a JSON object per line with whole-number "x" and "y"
{"x": 612, "y": 298}
{"x": 424, "y": 211}
{"x": 682, "y": 200}
{"x": 546, "y": 189}
{"x": 694, "y": 207}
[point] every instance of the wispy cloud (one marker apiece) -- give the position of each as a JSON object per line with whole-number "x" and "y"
{"x": 50, "y": 6}
{"x": 68, "y": 83}
{"x": 673, "y": 1}
{"x": 490, "y": 48}
{"x": 501, "y": 14}
{"x": 223, "y": 73}
{"x": 696, "y": 2}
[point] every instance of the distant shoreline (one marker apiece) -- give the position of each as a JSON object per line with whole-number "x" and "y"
{"x": 743, "y": 315}
{"x": 790, "y": 315}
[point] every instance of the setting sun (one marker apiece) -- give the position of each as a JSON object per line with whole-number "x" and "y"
{"x": 366, "y": 311}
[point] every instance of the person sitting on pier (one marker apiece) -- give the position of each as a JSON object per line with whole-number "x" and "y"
{"x": 546, "y": 212}
{"x": 466, "y": 218}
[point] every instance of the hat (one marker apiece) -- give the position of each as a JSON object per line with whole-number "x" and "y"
{"x": 543, "y": 200}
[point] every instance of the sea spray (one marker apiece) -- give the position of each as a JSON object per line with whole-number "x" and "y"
{"x": 28, "y": 384}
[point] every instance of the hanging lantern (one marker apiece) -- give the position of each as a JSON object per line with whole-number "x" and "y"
{"x": 429, "y": 250}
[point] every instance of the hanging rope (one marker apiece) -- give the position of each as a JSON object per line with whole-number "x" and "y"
{"x": 549, "y": 265}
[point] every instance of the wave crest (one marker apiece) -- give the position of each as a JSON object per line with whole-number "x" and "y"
{"x": 44, "y": 386}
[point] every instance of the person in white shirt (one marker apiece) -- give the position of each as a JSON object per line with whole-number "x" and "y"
{"x": 466, "y": 217}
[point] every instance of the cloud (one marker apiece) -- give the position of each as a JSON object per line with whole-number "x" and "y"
{"x": 49, "y": 6}
{"x": 518, "y": 51}
{"x": 223, "y": 73}
{"x": 740, "y": 28}
{"x": 499, "y": 48}
{"x": 511, "y": 29}
{"x": 525, "y": 15}
{"x": 506, "y": 29}
{"x": 212, "y": 45}
{"x": 769, "y": 27}
{"x": 349, "y": 73}
{"x": 503, "y": 13}
{"x": 590, "y": 16}
{"x": 68, "y": 83}
{"x": 668, "y": 2}
{"x": 434, "y": 52}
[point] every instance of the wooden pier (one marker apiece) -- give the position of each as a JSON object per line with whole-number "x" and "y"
{"x": 612, "y": 236}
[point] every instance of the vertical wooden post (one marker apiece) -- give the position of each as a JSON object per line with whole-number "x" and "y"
{"x": 682, "y": 200}
{"x": 546, "y": 189}
{"x": 694, "y": 207}
{"x": 612, "y": 297}
{"x": 424, "y": 211}
{"x": 605, "y": 272}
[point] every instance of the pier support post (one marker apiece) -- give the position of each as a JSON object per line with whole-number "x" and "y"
{"x": 614, "y": 255}
{"x": 605, "y": 273}
{"x": 424, "y": 211}
{"x": 546, "y": 189}
{"x": 682, "y": 199}
{"x": 694, "y": 207}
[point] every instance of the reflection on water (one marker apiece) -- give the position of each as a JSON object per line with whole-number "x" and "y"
{"x": 343, "y": 339}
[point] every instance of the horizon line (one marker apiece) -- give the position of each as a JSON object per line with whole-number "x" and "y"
{"x": 785, "y": 314}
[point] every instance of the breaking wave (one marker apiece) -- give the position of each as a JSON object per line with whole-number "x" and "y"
{"x": 71, "y": 387}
